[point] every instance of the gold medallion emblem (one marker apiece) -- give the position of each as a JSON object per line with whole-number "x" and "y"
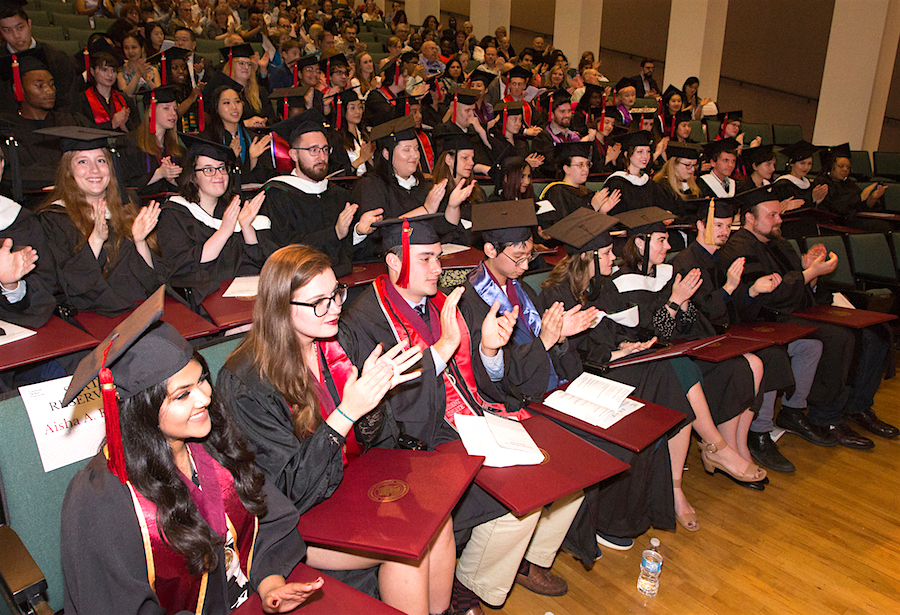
{"x": 546, "y": 456}
{"x": 389, "y": 490}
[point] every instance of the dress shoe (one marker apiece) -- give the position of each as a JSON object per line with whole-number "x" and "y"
{"x": 849, "y": 438}
{"x": 868, "y": 421}
{"x": 764, "y": 450}
{"x": 794, "y": 421}
{"x": 542, "y": 581}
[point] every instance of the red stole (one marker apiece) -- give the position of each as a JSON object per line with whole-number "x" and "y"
{"x": 425, "y": 144}
{"x": 459, "y": 378}
{"x": 339, "y": 368}
{"x": 98, "y": 105}
{"x": 389, "y": 96}
{"x": 526, "y": 108}
{"x": 221, "y": 506}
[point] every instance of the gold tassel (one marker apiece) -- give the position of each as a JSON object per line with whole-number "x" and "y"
{"x": 708, "y": 237}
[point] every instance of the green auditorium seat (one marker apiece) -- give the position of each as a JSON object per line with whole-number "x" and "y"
{"x": 78, "y": 34}
{"x": 63, "y": 20}
{"x": 64, "y": 8}
{"x": 751, "y": 131}
{"x": 861, "y": 164}
{"x": 785, "y": 134}
{"x": 40, "y": 18}
{"x": 48, "y": 34}
{"x": 887, "y": 164}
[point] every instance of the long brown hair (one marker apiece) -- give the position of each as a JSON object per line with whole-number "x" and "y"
{"x": 574, "y": 271}
{"x": 80, "y": 212}
{"x": 443, "y": 171}
{"x": 272, "y": 342}
{"x": 148, "y": 143}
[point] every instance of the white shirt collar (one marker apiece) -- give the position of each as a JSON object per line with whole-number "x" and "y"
{"x": 408, "y": 183}
{"x": 31, "y": 46}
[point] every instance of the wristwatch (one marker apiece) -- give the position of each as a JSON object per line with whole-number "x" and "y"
{"x": 674, "y": 306}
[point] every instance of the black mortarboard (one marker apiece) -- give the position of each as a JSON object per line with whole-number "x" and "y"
{"x": 139, "y": 353}
{"x": 690, "y": 151}
{"x": 840, "y": 151}
{"x": 645, "y": 221}
{"x": 163, "y": 94}
{"x": 405, "y": 232}
{"x": 757, "y": 155}
{"x": 204, "y": 147}
{"x": 623, "y": 83}
{"x": 177, "y": 53}
{"x": 101, "y": 45}
{"x": 292, "y": 128}
{"x": 751, "y": 198}
{"x": 307, "y": 60}
{"x": 506, "y": 221}
{"x": 483, "y": 76}
{"x": 244, "y": 50}
{"x": 731, "y": 116}
{"x": 562, "y": 151}
{"x": 219, "y": 79}
{"x": 449, "y": 137}
{"x": 712, "y": 149}
{"x": 390, "y": 133}
{"x": 466, "y": 96}
{"x": 683, "y": 116}
{"x": 639, "y": 114}
{"x": 583, "y": 230}
{"x": 554, "y": 98}
{"x": 800, "y": 150}
{"x": 519, "y": 72}
{"x": 28, "y": 61}
{"x": 338, "y": 59}
{"x": 635, "y": 139}
{"x": 295, "y": 95}
{"x": 670, "y": 92}
{"x": 590, "y": 88}
{"x": 80, "y": 138}
{"x": 515, "y": 107}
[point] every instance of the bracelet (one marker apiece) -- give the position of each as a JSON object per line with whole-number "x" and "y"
{"x": 674, "y": 306}
{"x": 341, "y": 412}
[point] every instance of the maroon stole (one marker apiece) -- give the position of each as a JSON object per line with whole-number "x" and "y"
{"x": 526, "y": 108}
{"x": 459, "y": 378}
{"x": 425, "y": 144}
{"x": 98, "y": 106}
{"x": 221, "y": 507}
{"x": 339, "y": 367}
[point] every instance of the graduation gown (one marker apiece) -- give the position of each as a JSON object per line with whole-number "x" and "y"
{"x": 66, "y": 76}
{"x": 264, "y": 169}
{"x": 39, "y": 154}
{"x": 637, "y": 192}
{"x": 501, "y": 148}
{"x": 380, "y": 107}
{"x": 843, "y": 200}
{"x": 543, "y": 144}
{"x": 184, "y": 227}
{"x": 711, "y": 186}
{"x": 306, "y": 212}
{"x": 36, "y": 307}
{"x": 728, "y": 385}
{"x": 103, "y": 553}
{"x": 565, "y": 199}
{"x": 82, "y": 105}
{"x": 95, "y": 284}
{"x": 139, "y": 166}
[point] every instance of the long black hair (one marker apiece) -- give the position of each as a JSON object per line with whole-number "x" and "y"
{"x": 384, "y": 168}
{"x": 152, "y": 471}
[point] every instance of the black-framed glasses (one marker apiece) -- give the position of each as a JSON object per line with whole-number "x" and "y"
{"x": 524, "y": 259}
{"x": 323, "y": 305}
{"x": 317, "y": 150}
{"x": 211, "y": 171}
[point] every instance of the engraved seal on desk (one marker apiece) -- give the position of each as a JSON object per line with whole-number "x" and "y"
{"x": 546, "y": 456}
{"x": 764, "y": 329}
{"x": 389, "y": 490}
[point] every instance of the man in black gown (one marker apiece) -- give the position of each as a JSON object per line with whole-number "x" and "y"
{"x": 834, "y": 398}
{"x": 718, "y": 182}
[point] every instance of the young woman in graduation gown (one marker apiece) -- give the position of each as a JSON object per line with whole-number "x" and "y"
{"x": 507, "y": 137}
{"x": 206, "y": 236}
{"x": 224, "y": 111}
{"x": 151, "y": 154}
{"x": 634, "y": 183}
{"x": 100, "y": 245}
{"x": 678, "y": 182}
{"x": 351, "y": 151}
{"x": 455, "y": 163}
{"x": 570, "y": 193}
{"x": 241, "y": 65}
{"x": 513, "y": 180}
{"x": 795, "y": 184}
{"x": 844, "y": 197}
{"x": 102, "y": 101}
{"x": 179, "y": 469}
{"x": 607, "y": 149}
{"x": 307, "y": 412}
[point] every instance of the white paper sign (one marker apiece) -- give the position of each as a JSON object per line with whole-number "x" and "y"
{"x": 64, "y": 434}
{"x": 243, "y": 286}
{"x": 13, "y": 333}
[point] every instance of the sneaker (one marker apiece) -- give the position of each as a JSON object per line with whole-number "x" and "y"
{"x": 614, "y": 542}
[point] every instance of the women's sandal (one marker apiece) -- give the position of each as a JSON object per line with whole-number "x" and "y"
{"x": 751, "y": 474}
{"x": 688, "y": 521}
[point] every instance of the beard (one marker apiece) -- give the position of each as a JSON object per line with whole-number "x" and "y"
{"x": 314, "y": 174}
{"x": 775, "y": 233}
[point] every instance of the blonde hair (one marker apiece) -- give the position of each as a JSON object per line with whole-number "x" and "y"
{"x": 574, "y": 271}
{"x": 666, "y": 175}
{"x": 148, "y": 143}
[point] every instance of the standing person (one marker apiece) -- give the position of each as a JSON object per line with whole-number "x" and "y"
{"x": 101, "y": 264}
{"x": 307, "y": 416}
{"x": 179, "y": 468}
{"x": 151, "y": 153}
{"x": 209, "y": 237}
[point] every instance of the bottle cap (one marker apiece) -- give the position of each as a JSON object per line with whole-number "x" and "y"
{"x": 654, "y": 542}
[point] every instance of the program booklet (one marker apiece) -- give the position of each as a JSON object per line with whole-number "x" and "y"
{"x": 595, "y": 400}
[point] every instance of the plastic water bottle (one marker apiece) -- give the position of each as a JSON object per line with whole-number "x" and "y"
{"x": 651, "y": 566}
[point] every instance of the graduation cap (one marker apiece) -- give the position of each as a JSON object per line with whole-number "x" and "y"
{"x": 8, "y": 8}
{"x": 390, "y": 72}
{"x": 757, "y": 155}
{"x": 293, "y": 128}
{"x": 505, "y": 222}
{"x": 165, "y": 57}
{"x": 343, "y": 99}
{"x": 682, "y": 116}
{"x": 483, "y": 76}
{"x": 800, "y": 150}
{"x": 326, "y": 64}
{"x": 583, "y": 230}
{"x": 710, "y": 208}
{"x": 405, "y": 232}
{"x": 219, "y": 80}
{"x": 139, "y": 353}
{"x": 712, "y": 149}
{"x": 500, "y": 168}
{"x": 99, "y": 45}
{"x": 642, "y": 223}
{"x": 204, "y": 147}
{"x": 635, "y": 139}
{"x": 450, "y": 138}
{"x": 83, "y": 138}
{"x": 244, "y": 50}
{"x": 290, "y": 98}
{"x": 388, "y": 134}
{"x": 840, "y": 151}
{"x": 670, "y": 92}
{"x": 751, "y": 198}
{"x": 623, "y": 83}
{"x": 518, "y": 72}
{"x": 638, "y": 115}
{"x": 464, "y": 96}
{"x": 13, "y": 66}
{"x": 691, "y": 151}
{"x": 564, "y": 151}
{"x": 552, "y": 99}
{"x": 403, "y": 101}
{"x": 160, "y": 96}
{"x": 728, "y": 116}
{"x": 507, "y": 109}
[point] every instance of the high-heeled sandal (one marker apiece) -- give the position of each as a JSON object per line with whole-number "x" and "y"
{"x": 751, "y": 474}
{"x": 688, "y": 521}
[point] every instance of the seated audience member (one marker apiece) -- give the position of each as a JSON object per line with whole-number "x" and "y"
{"x": 665, "y": 123}
{"x": 151, "y": 153}
{"x": 723, "y": 156}
{"x": 844, "y": 197}
{"x": 626, "y": 94}
{"x": 207, "y": 236}
{"x": 508, "y": 137}
{"x": 484, "y": 111}
{"x": 682, "y": 122}
{"x": 429, "y": 58}
{"x": 607, "y": 148}
{"x": 692, "y": 101}
{"x": 587, "y": 112}
{"x": 154, "y": 36}
{"x": 558, "y": 130}
{"x": 102, "y": 101}
{"x": 678, "y": 181}
{"x": 795, "y": 184}
{"x": 835, "y": 398}
{"x": 570, "y": 192}
{"x": 186, "y": 39}
{"x": 224, "y": 110}
{"x": 307, "y": 208}
{"x": 455, "y": 163}
{"x": 137, "y": 74}
{"x": 240, "y": 65}
{"x": 731, "y": 128}
{"x": 286, "y": 74}
{"x": 423, "y": 136}
{"x": 503, "y": 549}
{"x": 186, "y": 96}
{"x": 644, "y": 81}
{"x": 517, "y": 80}
{"x": 304, "y": 435}
{"x": 634, "y": 182}
{"x": 381, "y": 103}
{"x": 758, "y": 165}
{"x": 461, "y": 117}
{"x": 364, "y": 75}
{"x": 101, "y": 246}
{"x": 15, "y": 30}
{"x": 512, "y": 180}
{"x": 350, "y": 147}
{"x": 336, "y": 70}
{"x": 162, "y": 470}
{"x": 38, "y": 154}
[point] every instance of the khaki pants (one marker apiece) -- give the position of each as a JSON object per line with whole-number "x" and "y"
{"x": 490, "y": 560}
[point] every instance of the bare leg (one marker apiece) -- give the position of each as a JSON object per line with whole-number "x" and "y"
{"x": 743, "y": 430}
{"x": 442, "y": 554}
{"x": 678, "y": 450}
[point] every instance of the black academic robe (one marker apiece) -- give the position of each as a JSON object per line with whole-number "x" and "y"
{"x": 103, "y": 553}
{"x": 39, "y": 154}
{"x": 636, "y": 195}
{"x": 790, "y": 187}
{"x": 339, "y": 159}
{"x": 565, "y": 199}
{"x": 843, "y": 200}
{"x": 182, "y": 231}
{"x": 139, "y": 166}
{"x": 501, "y": 148}
{"x": 95, "y": 284}
{"x": 307, "y": 218}
{"x": 598, "y": 159}
{"x": 265, "y": 167}
{"x": 66, "y": 77}
{"x": 83, "y": 107}
{"x": 36, "y": 307}
{"x": 543, "y": 144}
{"x": 379, "y": 108}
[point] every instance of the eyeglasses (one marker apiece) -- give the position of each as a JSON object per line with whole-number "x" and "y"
{"x": 316, "y": 150}
{"x": 688, "y": 165}
{"x": 524, "y": 259}
{"x": 211, "y": 171}
{"x": 243, "y": 63}
{"x": 581, "y": 165}
{"x": 343, "y": 73}
{"x": 323, "y": 305}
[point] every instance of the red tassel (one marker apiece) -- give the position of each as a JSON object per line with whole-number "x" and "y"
{"x": 403, "y": 280}
{"x": 286, "y": 108}
{"x": 201, "y": 113}
{"x": 230, "y": 58}
{"x": 504, "y": 122}
{"x": 87, "y": 62}
{"x": 440, "y": 92}
{"x": 397, "y": 71}
{"x": 722, "y": 127}
{"x": 339, "y": 107}
{"x": 17, "y": 79}
{"x": 602, "y": 113}
{"x": 671, "y": 128}
{"x": 163, "y": 67}
{"x": 116, "y": 453}
{"x": 407, "y": 106}
{"x": 453, "y": 119}
{"x": 295, "y": 73}
{"x": 153, "y": 113}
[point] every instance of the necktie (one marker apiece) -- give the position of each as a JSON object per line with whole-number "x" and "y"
{"x": 423, "y": 312}
{"x": 726, "y": 183}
